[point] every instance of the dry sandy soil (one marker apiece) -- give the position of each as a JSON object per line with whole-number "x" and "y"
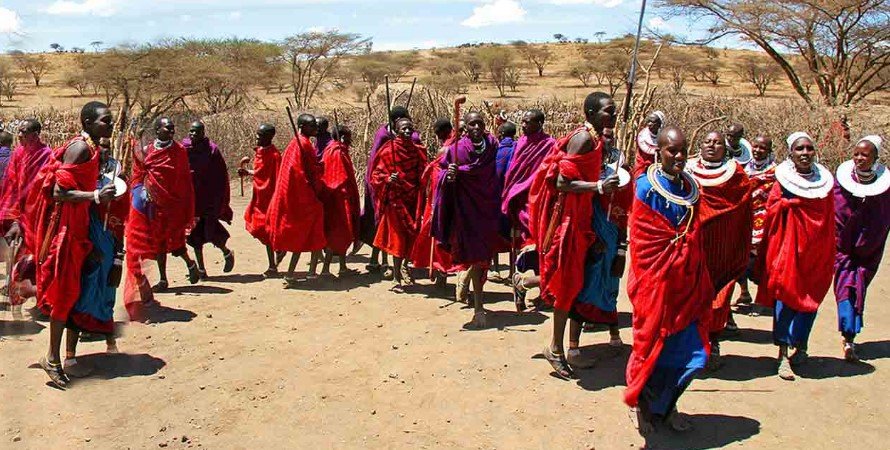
{"x": 239, "y": 362}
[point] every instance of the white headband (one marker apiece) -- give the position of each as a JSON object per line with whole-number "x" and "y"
{"x": 795, "y": 136}
{"x": 874, "y": 140}
{"x": 660, "y": 116}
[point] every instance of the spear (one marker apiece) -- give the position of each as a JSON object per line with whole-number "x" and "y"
{"x": 632, "y": 74}
{"x": 388, "y": 104}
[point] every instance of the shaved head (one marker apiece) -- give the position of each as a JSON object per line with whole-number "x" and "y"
{"x": 672, "y": 150}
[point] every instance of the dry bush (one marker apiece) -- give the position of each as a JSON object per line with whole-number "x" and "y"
{"x": 234, "y": 131}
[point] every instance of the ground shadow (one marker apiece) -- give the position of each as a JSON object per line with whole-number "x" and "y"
{"x": 197, "y": 289}
{"x": 165, "y": 314}
{"x": 822, "y": 367}
{"x": 20, "y": 327}
{"x": 743, "y": 368}
{"x": 331, "y": 283}
{"x": 749, "y": 335}
{"x": 608, "y": 368}
{"x": 238, "y": 278}
{"x": 710, "y": 431}
{"x": 502, "y": 320}
{"x": 624, "y": 321}
{"x": 873, "y": 350}
{"x": 107, "y": 366}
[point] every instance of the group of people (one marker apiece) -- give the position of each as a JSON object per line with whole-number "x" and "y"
{"x": 566, "y": 210}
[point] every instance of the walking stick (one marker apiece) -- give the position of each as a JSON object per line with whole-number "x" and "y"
{"x": 410, "y": 93}
{"x": 293, "y": 125}
{"x": 632, "y": 74}
{"x": 388, "y": 105}
{"x": 245, "y": 160}
{"x": 336, "y": 126}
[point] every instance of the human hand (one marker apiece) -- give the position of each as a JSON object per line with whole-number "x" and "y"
{"x": 451, "y": 173}
{"x": 106, "y": 194}
{"x": 610, "y": 184}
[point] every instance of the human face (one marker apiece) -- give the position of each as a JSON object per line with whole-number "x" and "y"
{"x": 103, "y": 126}
{"x": 653, "y": 123}
{"x": 27, "y": 136}
{"x": 864, "y": 156}
{"x": 346, "y": 137}
{"x": 264, "y": 137}
{"x": 530, "y": 125}
{"x": 761, "y": 148}
{"x": 713, "y": 149}
{"x": 673, "y": 156}
{"x": 196, "y": 131}
{"x": 803, "y": 155}
{"x": 166, "y": 130}
{"x": 405, "y": 128}
{"x": 605, "y": 116}
{"x": 734, "y": 136}
{"x": 475, "y": 127}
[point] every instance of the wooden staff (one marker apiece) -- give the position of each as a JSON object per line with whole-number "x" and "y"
{"x": 293, "y": 125}
{"x": 244, "y": 161}
{"x": 336, "y": 127}
{"x": 388, "y": 105}
{"x": 410, "y": 93}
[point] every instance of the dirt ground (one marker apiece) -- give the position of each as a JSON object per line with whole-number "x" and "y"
{"x": 240, "y": 362}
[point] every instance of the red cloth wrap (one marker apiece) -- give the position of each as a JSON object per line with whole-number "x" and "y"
{"x": 265, "y": 173}
{"x": 726, "y": 220}
{"x": 341, "y": 201}
{"x": 562, "y": 261}
{"x": 795, "y": 262}
{"x": 66, "y": 225}
{"x": 396, "y": 201}
{"x": 423, "y": 243}
{"x": 296, "y": 214}
{"x": 167, "y": 177}
{"x": 668, "y": 286}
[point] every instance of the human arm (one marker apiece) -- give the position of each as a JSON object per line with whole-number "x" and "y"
{"x": 78, "y": 153}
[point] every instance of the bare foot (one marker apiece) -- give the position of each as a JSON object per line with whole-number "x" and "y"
{"x": 679, "y": 422}
{"x": 643, "y": 425}
{"x": 480, "y": 319}
{"x": 785, "y": 371}
{"x": 573, "y": 356}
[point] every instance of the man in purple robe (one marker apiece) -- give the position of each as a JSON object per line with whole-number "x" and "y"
{"x": 862, "y": 217}
{"x": 465, "y": 207}
{"x": 210, "y": 178}
{"x": 5, "y": 153}
{"x": 368, "y": 219}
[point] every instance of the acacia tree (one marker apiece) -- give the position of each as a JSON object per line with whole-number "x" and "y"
{"x": 760, "y": 73}
{"x": 231, "y": 68}
{"x": 842, "y": 42}
{"x": 34, "y": 65}
{"x": 314, "y": 57}
{"x": 8, "y": 83}
{"x": 497, "y": 61}
{"x": 539, "y": 57}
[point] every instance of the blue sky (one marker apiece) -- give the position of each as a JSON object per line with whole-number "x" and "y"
{"x": 32, "y": 25}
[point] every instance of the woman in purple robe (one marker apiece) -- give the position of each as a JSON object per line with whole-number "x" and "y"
{"x": 862, "y": 216}
{"x": 465, "y": 208}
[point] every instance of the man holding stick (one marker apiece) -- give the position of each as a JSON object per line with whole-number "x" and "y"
{"x": 266, "y": 162}
{"x": 296, "y": 213}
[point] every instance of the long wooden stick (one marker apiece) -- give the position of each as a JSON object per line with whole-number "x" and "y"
{"x": 410, "y": 93}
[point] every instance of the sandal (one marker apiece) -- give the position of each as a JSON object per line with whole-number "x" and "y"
{"x": 229, "y": 258}
{"x": 290, "y": 282}
{"x": 388, "y": 273}
{"x": 372, "y": 267}
{"x": 850, "y": 352}
{"x": 270, "y": 273}
{"x": 160, "y": 287}
{"x": 519, "y": 292}
{"x": 55, "y": 372}
{"x": 194, "y": 273}
{"x": 347, "y": 273}
{"x": 202, "y": 274}
{"x": 573, "y": 357}
{"x": 744, "y": 299}
{"x": 559, "y": 364}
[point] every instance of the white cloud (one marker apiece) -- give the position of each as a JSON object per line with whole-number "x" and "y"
{"x": 657, "y": 23}
{"x": 603, "y": 3}
{"x": 10, "y": 23}
{"x": 495, "y": 12}
{"x": 235, "y": 15}
{"x": 102, "y": 8}
{"x": 185, "y": 18}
